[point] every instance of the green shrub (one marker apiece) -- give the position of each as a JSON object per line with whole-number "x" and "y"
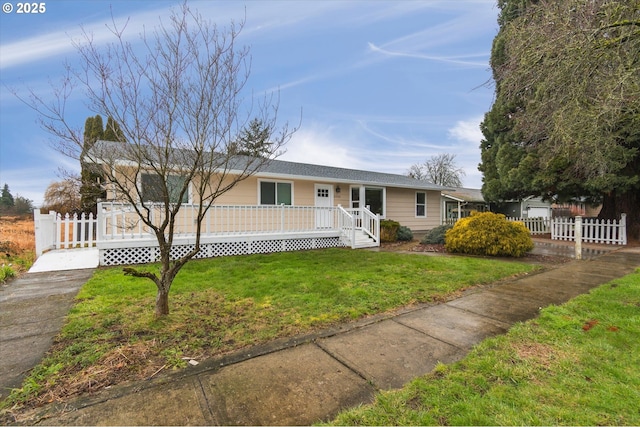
{"x": 435, "y": 236}
{"x": 389, "y": 230}
{"x": 404, "y": 234}
{"x": 488, "y": 233}
{"x": 6, "y": 272}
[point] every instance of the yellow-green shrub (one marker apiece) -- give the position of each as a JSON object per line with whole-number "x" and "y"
{"x": 389, "y": 230}
{"x": 488, "y": 233}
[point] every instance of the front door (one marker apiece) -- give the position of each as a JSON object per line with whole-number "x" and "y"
{"x": 324, "y": 205}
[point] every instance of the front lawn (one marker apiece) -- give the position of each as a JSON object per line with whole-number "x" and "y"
{"x": 225, "y": 304}
{"x": 576, "y": 364}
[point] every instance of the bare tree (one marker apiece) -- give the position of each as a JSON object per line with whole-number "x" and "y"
{"x": 180, "y": 105}
{"x": 63, "y": 196}
{"x": 416, "y": 172}
{"x": 440, "y": 169}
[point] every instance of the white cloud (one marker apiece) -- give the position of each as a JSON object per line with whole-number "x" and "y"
{"x": 459, "y": 60}
{"x": 317, "y": 144}
{"x": 467, "y": 131}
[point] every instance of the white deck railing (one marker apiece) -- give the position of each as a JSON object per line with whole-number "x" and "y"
{"x": 54, "y": 231}
{"x": 120, "y": 222}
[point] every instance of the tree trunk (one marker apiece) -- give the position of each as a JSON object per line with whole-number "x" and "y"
{"x": 614, "y": 204}
{"x": 162, "y": 303}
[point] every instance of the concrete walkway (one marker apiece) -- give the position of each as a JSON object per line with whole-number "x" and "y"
{"x": 309, "y": 379}
{"x": 32, "y": 312}
{"x": 66, "y": 259}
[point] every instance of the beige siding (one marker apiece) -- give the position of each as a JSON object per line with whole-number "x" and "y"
{"x": 400, "y": 202}
{"x": 246, "y": 192}
{"x": 401, "y": 207}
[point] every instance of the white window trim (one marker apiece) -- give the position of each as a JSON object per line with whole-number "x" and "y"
{"x": 362, "y": 189}
{"x": 416, "y": 204}
{"x": 275, "y": 181}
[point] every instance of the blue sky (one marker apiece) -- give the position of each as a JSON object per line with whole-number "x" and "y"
{"x": 381, "y": 84}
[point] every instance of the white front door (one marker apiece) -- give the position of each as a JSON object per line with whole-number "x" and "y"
{"x": 324, "y": 205}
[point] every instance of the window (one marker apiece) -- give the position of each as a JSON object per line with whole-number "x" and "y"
{"x": 421, "y": 205}
{"x": 275, "y": 193}
{"x": 323, "y": 193}
{"x": 373, "y": 198}
{"x": 355, "y": 197}
{"x": 152, "y": 188}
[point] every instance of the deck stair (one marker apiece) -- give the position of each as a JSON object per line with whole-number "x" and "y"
{"x": 363, "y": 240}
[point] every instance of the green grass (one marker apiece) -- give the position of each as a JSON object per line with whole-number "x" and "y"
{"x": 6, "y": 272}
{"x": 577, "y": 364}
{"x": 225, "y": 304}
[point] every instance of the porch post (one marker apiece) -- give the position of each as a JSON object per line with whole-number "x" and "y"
{"x": 101, "y": 223}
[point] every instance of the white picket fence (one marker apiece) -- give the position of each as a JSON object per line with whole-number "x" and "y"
{"x": 55, "y": 231}
{"x": 540, "y": 225}
{"x": 594, "y": 230}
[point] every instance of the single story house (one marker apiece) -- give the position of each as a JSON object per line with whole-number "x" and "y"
{"x": 282, "y": 206}
{"x": 411, "y": 202}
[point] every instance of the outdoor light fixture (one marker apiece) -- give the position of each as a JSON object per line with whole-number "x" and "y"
{"x": 338, "y": 189}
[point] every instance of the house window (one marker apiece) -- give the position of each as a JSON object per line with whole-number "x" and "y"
{"x": 355, "y": 197}
{"x": 421, "y": 205}
{"x": 373, "y": 198}
{"x": 152, "y": 188}
{"x": 275, "y": 193}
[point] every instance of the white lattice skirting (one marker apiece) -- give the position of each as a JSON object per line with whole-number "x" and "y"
{"x": 119, "y": 253}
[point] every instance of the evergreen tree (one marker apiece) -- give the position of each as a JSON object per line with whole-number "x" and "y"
{"x": 113, "y": 132}
{"x": 254, "y": 139}
{"x": 93, "y": 131}
{"x": 6, "y": 199}
{"x": 23, "y": 205}
{"x": 91, "y": 177}
{"x": 565, "y": 121}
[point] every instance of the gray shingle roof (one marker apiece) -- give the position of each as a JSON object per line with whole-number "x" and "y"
{"x": 465, "y": 194}
{"x": 286, "y": 170}
{"x": 283, "y": 169}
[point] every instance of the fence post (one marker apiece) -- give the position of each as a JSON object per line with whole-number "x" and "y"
{"x": 578, "y": 237}
{"x": 44, "y": 231}
{"x": 622, "y": 236}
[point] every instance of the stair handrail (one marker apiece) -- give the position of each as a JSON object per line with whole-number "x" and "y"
{"x": 370, "y": 224}
{"x": 347, "y": 226}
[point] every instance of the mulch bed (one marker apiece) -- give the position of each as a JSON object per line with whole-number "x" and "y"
{"x": 416, "y": 246}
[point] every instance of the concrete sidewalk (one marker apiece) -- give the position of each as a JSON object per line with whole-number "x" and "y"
{"x": 32, "y": 312}
{"x": 309, "y": 379}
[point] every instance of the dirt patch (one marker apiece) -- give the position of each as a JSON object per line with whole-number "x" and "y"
{"x": 541, "y": 354}
{"x": 130, "y": 362}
